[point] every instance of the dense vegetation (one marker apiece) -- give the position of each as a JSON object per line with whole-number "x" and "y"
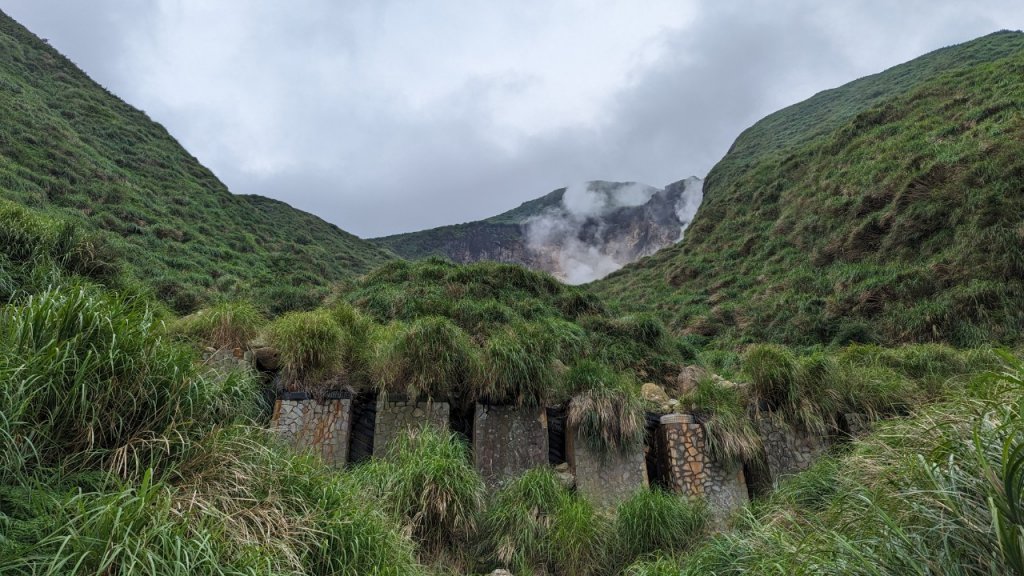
{"x": 70, "y": 147}
{"x": 940, "y": 492}
{"x": 888, "y": 210}
{"x": 121, "y": 453}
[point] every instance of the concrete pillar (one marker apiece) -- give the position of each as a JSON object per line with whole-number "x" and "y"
{"x": 321, "y": 427}
{"x": 396, "y": 417}
{"x": 508, "y": 441}
{"x": 605, "y": 478}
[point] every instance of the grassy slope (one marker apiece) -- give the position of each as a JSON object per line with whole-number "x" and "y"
{"x": 504, "y": 229}
{"x": 68, "y": 145}
{"x": 888, "y": 209}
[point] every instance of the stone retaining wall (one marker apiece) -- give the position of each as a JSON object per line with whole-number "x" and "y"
{"x": 787, "y": 450}
{"x": 508, "y": 441}
{"x": 395, "y": 418}
{"x": 227, "y": 360}
{"x": 693, "y": 472}
{"x": 322, "y": 427}
{"x": 606, "y": 478}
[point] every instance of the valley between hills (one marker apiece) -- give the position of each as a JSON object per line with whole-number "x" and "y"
{"x": 807, "y": 362}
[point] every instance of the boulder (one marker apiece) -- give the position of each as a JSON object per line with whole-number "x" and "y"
{"x": 267, "y": 358}
{"x": 565, "y": 476}
{"x": 688, "y": 377}
{"x": 654, "y": 394}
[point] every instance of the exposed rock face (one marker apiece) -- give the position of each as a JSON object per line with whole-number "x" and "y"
{"x": 578, "y": 234}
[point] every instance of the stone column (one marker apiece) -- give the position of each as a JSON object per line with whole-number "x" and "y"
{"x": 321, "y": 427}
{"x": 508, "y": 441}
{"x": 691, "y": 469}
{"x": 605, "y": 478}
{"x": 398, "y": 417}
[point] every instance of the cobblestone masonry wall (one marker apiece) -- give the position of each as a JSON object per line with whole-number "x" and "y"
{"x": 605, "y": 478}
{"x": 787, "y": 450}
{"x": 322, "y": 427}
{"x": 691, "y": 469}
{"x": 395, "y": 418}
{"x": 508, "y": 441}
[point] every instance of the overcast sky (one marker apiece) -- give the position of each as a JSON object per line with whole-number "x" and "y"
{"x": 389, "y": 116}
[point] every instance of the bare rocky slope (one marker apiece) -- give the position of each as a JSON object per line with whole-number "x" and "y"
{"x": 578, "y": 233}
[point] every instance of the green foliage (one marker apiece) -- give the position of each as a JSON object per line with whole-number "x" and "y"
{"x": 579, "y": 537}
{"x": 310, "y": 345}
{"x": 935, "y": 493}
{"x": 518, "y": 368}
{"x": 722, "y": 409}
{"x": 516, "y": 524}
{"x": 866, "y": 214}
{"x": 37, "y": 251}
{"x": 116, "y": 453}
{"x": 653, "y": 521}
{"x": 70, "y": 148}
{"x": 429, "y": 356}
{"x": 606, "y": 408}
{"x": 428, "y": 482}
{"x": 493, "y": 332}
{"x": 228, "y": 324}
{"x": 86, "y": 375}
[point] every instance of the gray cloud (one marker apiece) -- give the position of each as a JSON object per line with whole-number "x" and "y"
{"x": 392, "y": 116}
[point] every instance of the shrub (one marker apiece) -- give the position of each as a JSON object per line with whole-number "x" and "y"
{"x": 309, "y": 344}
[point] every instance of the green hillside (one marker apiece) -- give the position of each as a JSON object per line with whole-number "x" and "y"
{"x": 505, "y": 229}
{"x": 887, "y": 210}
{"x": 69, "y": 146}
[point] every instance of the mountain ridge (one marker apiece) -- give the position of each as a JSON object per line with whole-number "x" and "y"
{"x": 867, "y": 224}
{"x": 70, "y": 146}
{"x": 577, "y": 232}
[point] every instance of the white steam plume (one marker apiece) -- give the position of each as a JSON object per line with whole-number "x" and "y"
{"x": 558, "y": 230}
{"x": 688, "y": 203}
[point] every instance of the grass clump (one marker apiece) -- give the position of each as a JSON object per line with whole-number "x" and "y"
{"x": 310, "y": 345}
{"x": 721, "y": 407}
{"x": 225, "y": 325}
{"x": 579, "y": 537}
{"x": 87, "y": 375}
{"x": 518, "y": 369}
{"x": 606, "y": 409}
{"x": 429, "y": 484}
{"x": 515, "y": 527}
{"x": 652, "y": 522}
{"x": 429, "y": 357}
